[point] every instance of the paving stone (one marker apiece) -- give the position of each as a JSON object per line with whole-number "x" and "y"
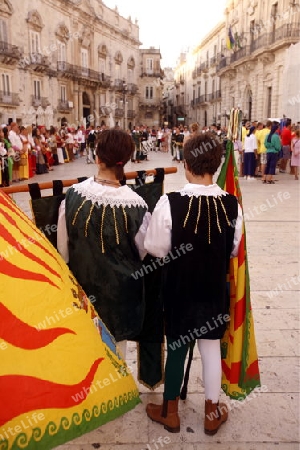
{"x": 271, "y": 420}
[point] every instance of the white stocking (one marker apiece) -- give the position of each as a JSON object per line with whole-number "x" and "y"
{"x": 210, "y": 352}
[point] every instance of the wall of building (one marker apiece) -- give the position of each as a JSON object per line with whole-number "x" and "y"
{"x": 72, "y": 59}
{"x": 213, "y": 77}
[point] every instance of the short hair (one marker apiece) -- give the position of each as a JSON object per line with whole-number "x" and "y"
{"x": 114, "y": 149}
{"x": 203, "y": 154}
{"x": 269, "y": 123}
{"x": 194, "y": 127}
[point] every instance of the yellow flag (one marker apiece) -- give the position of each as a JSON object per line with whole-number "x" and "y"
{"x": 60, "y": 373}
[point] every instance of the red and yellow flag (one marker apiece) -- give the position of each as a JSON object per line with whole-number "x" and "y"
{"x": 60, "y": 372}
{"x": 239, "y": 354}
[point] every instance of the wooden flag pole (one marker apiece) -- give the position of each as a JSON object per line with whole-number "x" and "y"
{"x": 66, "y": 183}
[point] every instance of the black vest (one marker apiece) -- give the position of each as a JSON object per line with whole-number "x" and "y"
{"x": 194, "y": 289}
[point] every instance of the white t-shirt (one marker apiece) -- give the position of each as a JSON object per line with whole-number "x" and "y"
{"x": 250, "y": 143}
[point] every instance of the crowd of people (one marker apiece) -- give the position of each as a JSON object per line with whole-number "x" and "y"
{"x": 33, "y": 150}
{"x": 266, "y": 148}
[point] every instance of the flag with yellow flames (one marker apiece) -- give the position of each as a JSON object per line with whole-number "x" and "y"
{"x": 239, "y": 354}
{"x": 60, "y": 374}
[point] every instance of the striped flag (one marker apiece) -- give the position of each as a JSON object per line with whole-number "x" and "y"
{"x": 230, "y": 42}
{"x": 239, "y": 355}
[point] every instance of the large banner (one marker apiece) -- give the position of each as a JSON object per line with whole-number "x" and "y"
{"x": 60, "y": 372}
{"x": 239, "y": 354}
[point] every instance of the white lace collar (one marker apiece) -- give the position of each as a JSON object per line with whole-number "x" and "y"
{"x": 108, "y": 195}
{"x": 196, "y": 190}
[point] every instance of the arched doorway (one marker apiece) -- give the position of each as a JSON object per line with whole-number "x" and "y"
{"x": 86, "y": 104}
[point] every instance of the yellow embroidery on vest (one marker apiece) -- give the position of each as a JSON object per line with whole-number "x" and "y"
{"x": 208, "y": 216}
{"x": 188, "y": 213}
{"x": 88, "y": 221}
{"x": 198, "y": 215}
{"x": 227, "y": 220}
{"x": 76, "y": 214}
{"x": 101, "y": 229}
{"x": 217, "y": 216}
{"x": 125, "y": 219}
{"x": 116, "y": 226}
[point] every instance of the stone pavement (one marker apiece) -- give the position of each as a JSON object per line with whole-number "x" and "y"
{"x": 271, "y": 420}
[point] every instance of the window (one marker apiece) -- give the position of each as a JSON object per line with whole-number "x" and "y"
{"x": 84, "y": 59}
{"x": 149, "y": 92}
{"x": 129, "y": 75}
{"x": 269, "y": 104}
{"x": 37, "y": 89}
{"x": 102, "y": 65}
{"x": 5, "y": 84}
{"x": 62, "y": 51}
{"x": 3, "y": 31}
{"x": 35, "y": 42}
{"x": 117, "y": 72}
{"x": 63, "y": 93}
{"x": 149, "y": 65}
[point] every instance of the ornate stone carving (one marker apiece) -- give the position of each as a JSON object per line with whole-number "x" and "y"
{"x": 62, "y": 32}
{"x": 35, "y": 20}
{"x": 5, "y": 7}
{"x": 102, "y": 50}
{"x": 131, "y": 63}
{"x": 85, "y": 37}
{"x": 118, "y": 57}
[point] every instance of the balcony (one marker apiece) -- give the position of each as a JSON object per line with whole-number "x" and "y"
{"x": 119, "y": 112}
{"x": 104, "y": 110}
{"x": 267, "y": 42}
{"x": 74, "y": 72}
{"x": 119, "y": 85}
{"x": 218, "y": 94}
{"x": 204, "y": 67}
{"x": 150, "y": 73}
{"x": 39, "y": 101}
{"x": 132, "y": 88}
{"x": 105, "y": 80}
{"x": 37, "y": 62}
{"x": 64, "y": 106}
{"x": 204, "y": 99}
{"x": 151, "y": 103}
{"x": 213, "y": 60}
{"x": 9, "y": 54}
{"x": 131, "y": 114}
{"x": 9, "y": 99}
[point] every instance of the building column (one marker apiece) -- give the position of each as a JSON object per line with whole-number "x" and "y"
{"x": 80, "y": 105}
{"x": 75, "y": 103}
{"x": 96, "y": 111}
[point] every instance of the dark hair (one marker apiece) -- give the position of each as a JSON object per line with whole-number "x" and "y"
{"x": 5, "y": 132}
{"x": 203, "y": 154}
{"x": 273, "y": 130}
{"x": 251, "y": 131}
{"x": 288, "y": 122}
{"x": 114, "y": 149}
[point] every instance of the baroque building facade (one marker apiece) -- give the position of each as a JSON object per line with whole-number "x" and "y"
{"x": 74, "y": 61}
{"x": 246, "y": 70}
{"x": 150, "y": 87}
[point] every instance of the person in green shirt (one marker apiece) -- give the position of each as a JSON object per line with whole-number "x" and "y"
{"x": 273, "y": 146}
